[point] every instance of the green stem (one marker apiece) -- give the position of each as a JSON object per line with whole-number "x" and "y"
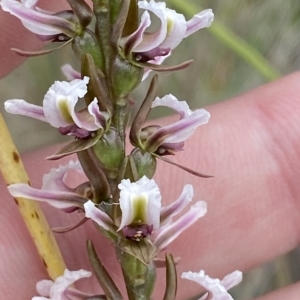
{"x": 234, "y": 42}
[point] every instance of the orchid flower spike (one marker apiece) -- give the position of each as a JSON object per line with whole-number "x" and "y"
{"x": 154, "y": 47}
{"x": 216, "y": 289}
{"x": 61, "y": 288}
{"x": 55, "y": 189}
{"x": 143, "y": 216}
{"x": 47, "y": 25}
{"x": 59, "y": 109}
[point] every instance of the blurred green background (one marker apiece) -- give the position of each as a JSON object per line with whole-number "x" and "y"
{"x": 250, "y": 43}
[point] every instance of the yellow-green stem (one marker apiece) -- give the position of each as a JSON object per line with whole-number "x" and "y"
{"x": 13, "y": 171}
{"x": 234, "y": 42}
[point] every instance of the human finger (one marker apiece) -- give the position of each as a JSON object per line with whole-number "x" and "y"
{"x": 250, "y": 145}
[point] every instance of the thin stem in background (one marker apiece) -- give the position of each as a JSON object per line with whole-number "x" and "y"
{"x": 233, "y": 41}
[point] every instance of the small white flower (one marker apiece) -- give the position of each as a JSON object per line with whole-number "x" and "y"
{"x": 60, "y": 289}
{"x": 173, "y": 27}
{"x": 45, "y": 24}
{"x": 140, "y": 204}
{"x": 59, "y": 109}
{"x": 55, "y": 190}
{"x": 170, "y": 138}
{"x": 216, "y": 288}
{"x": 148, "y": 46}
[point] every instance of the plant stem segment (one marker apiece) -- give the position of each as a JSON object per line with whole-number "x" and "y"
{"x": 13, "y": 171}
{"x": 234, "y": 42}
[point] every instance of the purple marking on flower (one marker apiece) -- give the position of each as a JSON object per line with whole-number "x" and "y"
{"x": 75, "y": 131}
{"x": 38, "y": 21}
{"x": 55, "y": 190}
{"x": 60, "y": 289}
{"x": 137, "y": 232}
{"x": 151, "y": 55}
{"x": 173, "y": 28}
{"x": 170, "y": 138}
{"x": 215, "y": 287}
{"x": 59, "y": 109}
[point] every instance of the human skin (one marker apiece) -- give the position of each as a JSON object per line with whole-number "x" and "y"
{"x": 252, "y": 147}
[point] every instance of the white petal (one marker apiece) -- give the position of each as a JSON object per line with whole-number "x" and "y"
{"x": 232, "y": 279}
{"x": 70, "y": 72}
{"x": 199, "y": 21}
{"x": 153, "y": 40}
{"x": 214, "y": 286}
{"x": 43, "y": 287}
{"x": 148, "y": 191}
{"x": 172, "y": 102}
{"x": 55, "y": 179}
{"x": 63, "y": 282}
{"x": 91, "y": 119}
{"x": 168, "y": 212}
{"x": 60, "y": 100}
{"x": 98, "y": 216}
{"x": 176, "y": 29}
{"x": 133, "y": 40}
{"x": 58, "y": 199}
{"x": 172, "y": 230}
{"x": 35, "y": 21}
{"x": 21, "y": 107}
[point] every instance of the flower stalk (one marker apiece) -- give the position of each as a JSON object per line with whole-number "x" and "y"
{"x": 117, "y": 191}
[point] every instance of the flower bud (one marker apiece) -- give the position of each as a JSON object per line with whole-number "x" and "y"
{"x": 109, "y": 150}
{"x": 125, "y": 76}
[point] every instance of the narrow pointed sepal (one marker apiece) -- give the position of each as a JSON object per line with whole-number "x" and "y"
{"x": 96, "y": 87}
{"x": 97, "y": 297}
{"x": 143, "y": 112}
{"x": 70, "y": 227}
{"x": 171, "y": 278}
{"x": 161, "y": 263}
{"x": 39, "y": 53}
{"x": 120, "y": 22}
{"x": 94, "y": 172}
{"x": 132, "y": 22}
{"x": 109, "y": 287}
{"x": 82, "y": 11}
{"x": 75, "y": 147}
{"x": 163, "y": 68}
{"x": 196, "y": 173}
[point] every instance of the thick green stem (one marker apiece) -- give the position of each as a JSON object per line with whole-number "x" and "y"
{"x": 139, "y": 276}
